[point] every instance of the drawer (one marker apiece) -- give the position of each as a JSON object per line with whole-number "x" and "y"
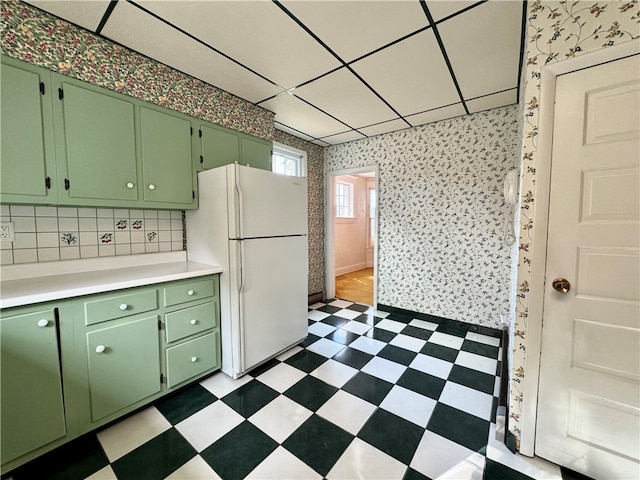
{"x": 187, "y": 291}
{"x": 190, "y": 320}
{"x": 192, "y": 358}
{"x": 119, "y": 306}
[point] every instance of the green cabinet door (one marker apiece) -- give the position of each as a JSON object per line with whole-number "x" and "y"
{"x": 124, "y": 365}
{"x": 218, "y": 147}
{"x": 167, "y": 168}
{"x": 26, "y": 136}
{"x": 256, "y": 153}
{"x": 31, "y": 406}
{"x": 95, "y": 138}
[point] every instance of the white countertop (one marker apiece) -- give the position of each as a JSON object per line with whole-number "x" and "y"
{"x": 42, "y": 282}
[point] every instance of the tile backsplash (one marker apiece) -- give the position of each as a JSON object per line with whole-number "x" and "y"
{"x": 44, "y": 234}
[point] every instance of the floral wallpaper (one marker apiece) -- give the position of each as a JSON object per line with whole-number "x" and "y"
{"x": 315, "y": 188}
{"x": 441, "y": 213}
{"x": 556, "y": 31}
{"x": 37, "y": 37}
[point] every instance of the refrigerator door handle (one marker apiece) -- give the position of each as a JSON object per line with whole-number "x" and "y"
{"x": 239, "y": 210}
{"x": 241, "y": 284}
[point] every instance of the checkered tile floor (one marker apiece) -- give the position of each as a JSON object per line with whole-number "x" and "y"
{"x": 368, "y": 394}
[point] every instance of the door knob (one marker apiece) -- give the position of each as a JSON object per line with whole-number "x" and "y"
{"x": 561, "y": 285}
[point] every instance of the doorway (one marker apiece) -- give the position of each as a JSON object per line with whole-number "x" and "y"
{"x": 351, "y": 241}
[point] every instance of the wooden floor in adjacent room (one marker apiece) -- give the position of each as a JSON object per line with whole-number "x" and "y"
{"x": 356, "y": 286}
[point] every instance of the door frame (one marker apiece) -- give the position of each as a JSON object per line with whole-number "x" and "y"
{"x": 549, "y": 73}
{"x": 330, "y": 229}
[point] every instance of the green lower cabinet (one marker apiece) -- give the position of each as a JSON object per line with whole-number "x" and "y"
{"x": 31, "y": 405}
{"x": 124, "y": 365}
{"x": 192, "y": 358}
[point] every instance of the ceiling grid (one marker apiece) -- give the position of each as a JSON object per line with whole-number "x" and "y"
{"x": 331, "y": 71}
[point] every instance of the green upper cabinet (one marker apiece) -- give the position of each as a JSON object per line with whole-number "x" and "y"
{"x": 256, "y": 152}
{"x": 96, "y": 138}
{"x": 221, "y": 146}
{"x": 31, "y": 405}
{"x": 26, "y": 149}
{"x": 218, "y": 147}
{"x": 167, "y": 159}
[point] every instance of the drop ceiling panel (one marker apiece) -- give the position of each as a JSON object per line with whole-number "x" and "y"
{"x": 255, "y": 33}
{"x": 345, "y": 97}
{"x": 293, "y": 132}
{"x": 293, "y": 112}
{"x": 167, "y": 45}
{"x": 483, "y": 46}
{"x": 343, "y": 138}
{"x": 411, "y": 75}
{"x": 354, "y": 28}
{"x": 83, "y": 13}
{"x": 436, "y": 115}
{"x": 493, "y": 101}
{"x": 385, "y": 127}
{"x": 440, "y": 9}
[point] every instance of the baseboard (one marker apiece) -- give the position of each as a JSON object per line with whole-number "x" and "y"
{"x": 350, "y": 268}
{"x": 315, "y": 297}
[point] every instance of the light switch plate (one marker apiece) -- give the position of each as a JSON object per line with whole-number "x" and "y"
{"x": 7, "y": 232}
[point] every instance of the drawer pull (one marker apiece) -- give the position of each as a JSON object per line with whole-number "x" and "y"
{"x": 191, "y": 293}
{"x": 193, "y": 322}
{"x": 43, "y": 323}
{"x": 194, "y": 359}
{"x": 123, "y": 306}
{"x": 100, "y": 349}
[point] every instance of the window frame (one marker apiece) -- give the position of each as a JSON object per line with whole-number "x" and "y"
{"x": 350, "y": 187}
{"x": 282, "y": 150}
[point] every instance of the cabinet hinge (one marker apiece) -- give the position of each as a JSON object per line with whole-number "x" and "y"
{"x": 159, "y": 324}
{"x": 47, "y": 183}
{"x": 200, "y": 133}
{"x": 191, "y": 130}
{"x": 60, "y": 93}
{"x": 193, "y": 194}
{"x": 42, "y": 88}
{"x": 201, "y": 159}
{"x": 67, "y": 185}
{"x": 161, "y": 378}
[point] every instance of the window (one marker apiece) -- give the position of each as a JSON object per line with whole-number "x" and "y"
{"x": 344, "y": 200}
{"x": 288, "y": 161}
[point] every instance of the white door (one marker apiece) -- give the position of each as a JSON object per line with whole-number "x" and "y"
{"x": 269, "y": 204}
{"x": 589, "y": 396}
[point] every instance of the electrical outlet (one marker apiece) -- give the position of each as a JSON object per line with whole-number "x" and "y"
{"x": 6, "y": 231}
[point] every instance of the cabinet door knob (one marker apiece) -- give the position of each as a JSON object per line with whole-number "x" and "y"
{"x": 43, "y": 323}
{"x": 130, "y": 185}
{"x": 191, "y": 293}
{"x": 123, "y": 306}
{"x": 194, "y": 359}
{"x": 193, "y": 322}
{"x": 152, "y": 186}
{"x": 100, "y": 349}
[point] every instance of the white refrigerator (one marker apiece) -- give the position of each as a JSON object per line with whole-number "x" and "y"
{"x": 253, "y": 223}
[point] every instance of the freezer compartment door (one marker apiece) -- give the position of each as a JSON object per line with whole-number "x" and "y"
{"x": 273, "y": 296}
{"x": 266, "y": 204}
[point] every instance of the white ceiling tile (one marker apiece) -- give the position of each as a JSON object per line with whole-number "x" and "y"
{"x": 385, "y": 127}
{"x": 411, "y": 75}
{"x": 343, "y": 138}
{"x": 345, "y": 97}
{"x": 169, "y": 46}
{"x": 255, "y": 33}
{"x": 354, "y": 28}
{"x": 83, "y": 13}
{"x": 436, "y": 115}
{"x": 293, "y": 112}
{"x": 493, "y": 101}
{"x": 321, "y": 143}
{"x": 443, "y": 8}
{"x": 483, "y": 46}
{"x": 292, "y": 131}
